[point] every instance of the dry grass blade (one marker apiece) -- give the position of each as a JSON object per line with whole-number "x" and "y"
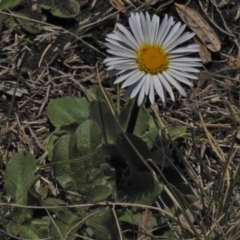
{"x": 146, "y": 224}
{"x": 200, "y": 27}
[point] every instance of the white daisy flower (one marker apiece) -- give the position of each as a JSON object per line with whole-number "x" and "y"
{"x": 147, "y": 57}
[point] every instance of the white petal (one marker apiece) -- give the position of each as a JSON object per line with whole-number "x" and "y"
{"x": 137, "y": 88}
{"x": 186, "y": 69}
{"x": 180, "y": 78}
{"x": 185, "y": 74}
{"x": 125, "y": 76}
{"x": 166, "y": 86}
{"x": 164, "y": 28}
{"x": 174, "y": 36}
{"x": 133, "y": 78}
{"x": 112, "y": 36}
{"x": 183, "y": 50}
{"x": 186, "y": 36}
{"x": 183, "y": 64}
{"x": 124, "y": 39}
{"x": 144, "y": 27}
{"x": 187, "y": 59}
{"x": 140, "y": 96}
{"x": 109, "y": 59}
{"x": 156, "y": 21}
{"x": 158, "y": 87}
{"x": 116, "y": 62}
{"x": 128, "y": 34}
{"x": 135, "y": 24}
{"x": 146, "y": 84}
{"x": 161, "y": 29}
{"x": 171, "y": 34}
{"x": 121, "y": 53}
{"x": 175, "y": 83}
{"x": 126, "y": 66}
{"x": 118, "y": 47}
{"x": 151, "y": 91}
{"x": 149, "y": 27}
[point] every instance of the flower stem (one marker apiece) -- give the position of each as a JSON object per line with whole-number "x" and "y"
{"x": 133, "y": 117}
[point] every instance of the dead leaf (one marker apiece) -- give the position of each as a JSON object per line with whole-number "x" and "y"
{"x": 204, "y": 54}
{"x": 234, "y": 62}
{"x": 119, "y": 5}
{"x": 238, "y": 61}
{"x": 229, "y": 83}
{"x": 146, "y": 225}
{"x": 199, "y": 26}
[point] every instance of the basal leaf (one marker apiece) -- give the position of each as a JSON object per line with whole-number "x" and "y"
{"x": 67, "y": 110}
{"x": 36, "y": 229}
{"x": 133, "y": 217}
{"x": 176, "y": 131}
{"x": 52, "y": 138}
{"x": 103, "y": 224}
{"x": 5, "y": 4}
{"x": 27, "y": 24}
{"x": 98, "y": 193}
{"x": 100, "y": 112}
{"x": 70, "y": 10}
{"x": 63, "y": 171}
{"x": 20, "y": 176}
{"x": 149, "y": 137}
{"x": 87, "y": 137}
{"x": 125, "y": 114}
{"x": 64, "y": 220}
{"x": 98, "y": 93}
{"x": 142, "y": 123}
{"x": 142, "y": 188}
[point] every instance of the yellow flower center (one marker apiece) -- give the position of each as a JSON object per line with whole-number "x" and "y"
{"x": 152, "y": 59}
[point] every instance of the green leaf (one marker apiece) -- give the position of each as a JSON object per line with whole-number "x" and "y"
{"x": 105, "y": 173}
{"x": 36, "y": 229}
{"x": 63, "y": 172}
{"x": 142, "y": 188}
{"x": 67, "y": 110}
{"x": 5, "y": 4}
{"x": 98, "y": 93}
{"x": 64, "y": 222}
{"x": 98, "y": 193}
{"x": 150, "y": 136}
{"x": 87, "y": 137}
{"x": 125, "y": 114}
{"x": 59, "y": 132}
{"x": 41, "y": 226}
{"x": 27, "y": 24}
{"x": 88, "y": 140}
{"x": 20, "y": 176}
{"x": 133, "y": 216}
{"x": 146, "y": 127}
{"x": 176, "y": 131}
{"x": 100, "y": 112}
{"x": 70, "y": 9}
{"x": 142, "y": 123}
{"x": 103, "y": 224}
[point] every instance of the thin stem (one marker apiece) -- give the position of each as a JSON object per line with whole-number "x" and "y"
{"x": 133, "y": 117}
